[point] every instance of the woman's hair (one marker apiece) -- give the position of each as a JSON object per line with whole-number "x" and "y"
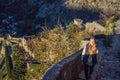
{"x": 93, "y": 47}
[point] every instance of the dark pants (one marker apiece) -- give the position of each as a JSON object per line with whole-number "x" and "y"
{"x": 89, "y": 68}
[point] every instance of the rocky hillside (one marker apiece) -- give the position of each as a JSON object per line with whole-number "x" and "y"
{"x": 21, "y": 17}
{"x": 63, "y": 11}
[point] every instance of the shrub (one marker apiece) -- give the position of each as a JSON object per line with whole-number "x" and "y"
{"x": 72, "y": 30}
{"x": 50, "y": 46}
{"x": 20, "y": 67}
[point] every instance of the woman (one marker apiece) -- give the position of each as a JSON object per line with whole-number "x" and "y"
{"x": 89, "y": 57}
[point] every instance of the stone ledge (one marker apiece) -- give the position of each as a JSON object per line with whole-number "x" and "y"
{"x": 67, "y": 69}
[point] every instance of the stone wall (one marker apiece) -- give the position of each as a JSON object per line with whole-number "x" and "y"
{"x": 67, "y": 69}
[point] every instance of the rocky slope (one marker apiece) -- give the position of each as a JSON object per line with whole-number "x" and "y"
{"x": 21, "y": 17}
{"x": 63, "y": 11}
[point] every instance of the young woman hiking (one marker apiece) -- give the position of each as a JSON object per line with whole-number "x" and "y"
{"x": 89, "y": 57}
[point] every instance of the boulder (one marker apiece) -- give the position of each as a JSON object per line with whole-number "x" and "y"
{"x": 94, "y": 27}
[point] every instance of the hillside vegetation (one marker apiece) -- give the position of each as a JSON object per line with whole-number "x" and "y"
{"x": 50, "y": 46}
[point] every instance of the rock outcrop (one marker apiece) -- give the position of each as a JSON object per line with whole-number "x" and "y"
{"x": 64, "y": 11}
{"x": 94, "y": 27}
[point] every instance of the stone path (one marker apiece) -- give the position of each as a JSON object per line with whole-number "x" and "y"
{"x": 108, "y": 68}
